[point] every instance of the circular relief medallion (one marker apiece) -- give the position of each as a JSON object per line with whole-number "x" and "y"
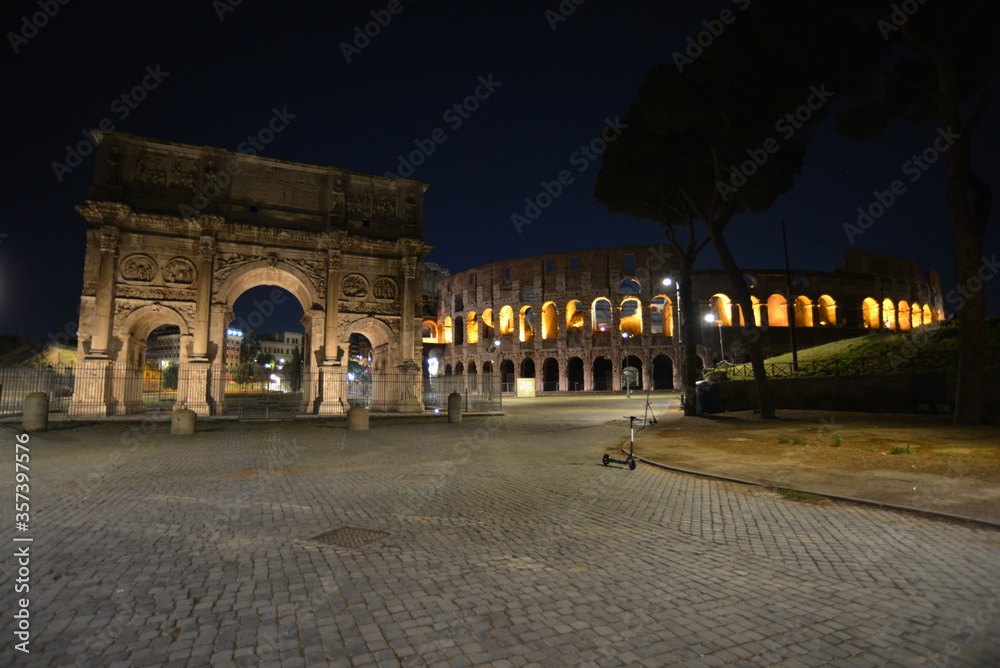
{"x": 354, "y": 286}
{"x": 385, "y": 288}
{"x": 179, "y": 270}
{"x": 138, "y": 267}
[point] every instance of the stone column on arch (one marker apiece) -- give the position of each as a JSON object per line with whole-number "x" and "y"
{"x": 104, "y": 302}
{"x": 221, "y": 316}
{"x": 331, "y": 378}
{"x": 199, "y": 366}
{"x": 203, "y": 308}
{"x": 333, "y": 276}
{"x": 407, "y": 308}
{"x": 92, "y": 384}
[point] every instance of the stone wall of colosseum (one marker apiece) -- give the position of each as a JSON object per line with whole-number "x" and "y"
{"x": 574, "y": 321}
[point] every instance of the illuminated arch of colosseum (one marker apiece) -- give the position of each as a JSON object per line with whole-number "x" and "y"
{"x": 573, "y": 321}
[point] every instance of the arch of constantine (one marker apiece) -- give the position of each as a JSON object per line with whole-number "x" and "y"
{"x": 178, "y": 232}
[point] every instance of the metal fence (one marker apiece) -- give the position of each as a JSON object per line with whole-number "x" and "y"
{"x": 919, "y": 362}
{"x": 17, "y": 382}
{"x": 254, "y": 394}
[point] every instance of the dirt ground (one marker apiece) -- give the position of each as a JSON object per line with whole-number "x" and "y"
{"x": 915, "y": 461}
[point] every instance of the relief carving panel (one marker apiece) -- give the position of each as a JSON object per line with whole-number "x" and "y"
{"x": 354, "y": 285}
{"x": 179, "y": 270}
{"x": 138, "y": 267}
{"x": 385, "y": 288}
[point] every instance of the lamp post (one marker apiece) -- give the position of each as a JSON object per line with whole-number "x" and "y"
{"x": 490, "y": 349}
{"x": 678, "y": 331}
{"x": 722, "y": 349}
{"x": 625, "y": 375}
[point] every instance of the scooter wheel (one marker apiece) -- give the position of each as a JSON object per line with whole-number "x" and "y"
{"x": 631, "y": 465}
{"x": 605, "y": 460}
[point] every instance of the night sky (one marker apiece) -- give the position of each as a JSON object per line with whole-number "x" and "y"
{"x": 225, "y": 67}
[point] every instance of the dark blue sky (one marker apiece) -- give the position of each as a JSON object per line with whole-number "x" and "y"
{"x": 552, "y": 91}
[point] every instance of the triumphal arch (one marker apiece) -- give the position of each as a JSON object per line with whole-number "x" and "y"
{"x": 178, "y": 232}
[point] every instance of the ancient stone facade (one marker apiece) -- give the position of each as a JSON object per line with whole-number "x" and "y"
{"x": 178, "y": 232}
{"x": 575, "y": 320}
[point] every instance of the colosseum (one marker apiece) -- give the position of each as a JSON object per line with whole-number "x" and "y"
{"x": 576, "y": 321}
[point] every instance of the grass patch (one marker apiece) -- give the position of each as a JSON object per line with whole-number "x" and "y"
{"x": 799, "y": 441}
{"x": 900, "y": 450}
{"x": 784, "y": 441}
{"x": 838, "y": 441}
{"x": 866, "y": 448}
{"x": 795, "y": 494}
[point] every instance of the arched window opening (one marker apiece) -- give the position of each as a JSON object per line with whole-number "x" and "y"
{"x": 448, "y": 330}
{"x": 574, "y": 374}
{"x": 429, "y": 332}
{"x": 869, "y": 313}
{"x": 904, "y": 316}
{"x": 888, "y": 314}
{"x": 489, "y": 325}
{"x": 550, "y": 375}
{"x": 506, "y": 321}
{"x": 550, "y": 321}
{"x": 916, "y": 315}
{"x": 827, "y": 311}
{"x": 471, "y": 327}
{"x": 629, "y": 286}
{"x": 803, "y": 311}
{"x": 527, "y": 323}
{"x": 777, "y": 311}
{"x": 630, "y": 320}
{"x": 720, "y": 309}
{"x": 507, "y": 376}
{"x": 574, "y": 316}
{"x": 603, "y": 381}
{"x": 459, "y": 330}
{"x": 663, "y": 373}
{"x": 661, "y": 316}
{"x": 601, "y": 315}
{"x": 928, "y": 315}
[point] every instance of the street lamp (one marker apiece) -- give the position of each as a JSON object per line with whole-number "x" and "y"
{"x": 722, "y": 349}
{"x": 678, "y": 331}
{"x": 626, "y": 376}
{"x": 490, "y": 349}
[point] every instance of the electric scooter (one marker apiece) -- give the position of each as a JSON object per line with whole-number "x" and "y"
{"x": 629, "y": 461}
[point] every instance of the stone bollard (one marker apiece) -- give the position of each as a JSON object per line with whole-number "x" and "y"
{"x": 183, "y": 421}
{"x": 357, "y": 419}
{"x": 36, "y": 412}
{"x": 454, "y": 408}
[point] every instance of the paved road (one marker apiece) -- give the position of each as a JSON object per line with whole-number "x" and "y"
{"x": 498, "y": 541}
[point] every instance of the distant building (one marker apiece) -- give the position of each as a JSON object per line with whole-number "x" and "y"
{"x": 573, "y": 321}
{"x": 234, "y": 347}
{"x": 164, "y": 345}
{"x": 281, "y": 345}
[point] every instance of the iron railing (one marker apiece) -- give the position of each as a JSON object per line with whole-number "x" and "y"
{"x": 923, "y": 361}
{"x": 253, "y": 394}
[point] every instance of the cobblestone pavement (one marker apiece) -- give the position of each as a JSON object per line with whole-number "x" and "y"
{"x": 497, "y": 541}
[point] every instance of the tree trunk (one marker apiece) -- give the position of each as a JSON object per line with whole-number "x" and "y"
{"x": 749, "y": 333}
{"x": 969, "y": 203}
{"x": 689, "y": 331}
